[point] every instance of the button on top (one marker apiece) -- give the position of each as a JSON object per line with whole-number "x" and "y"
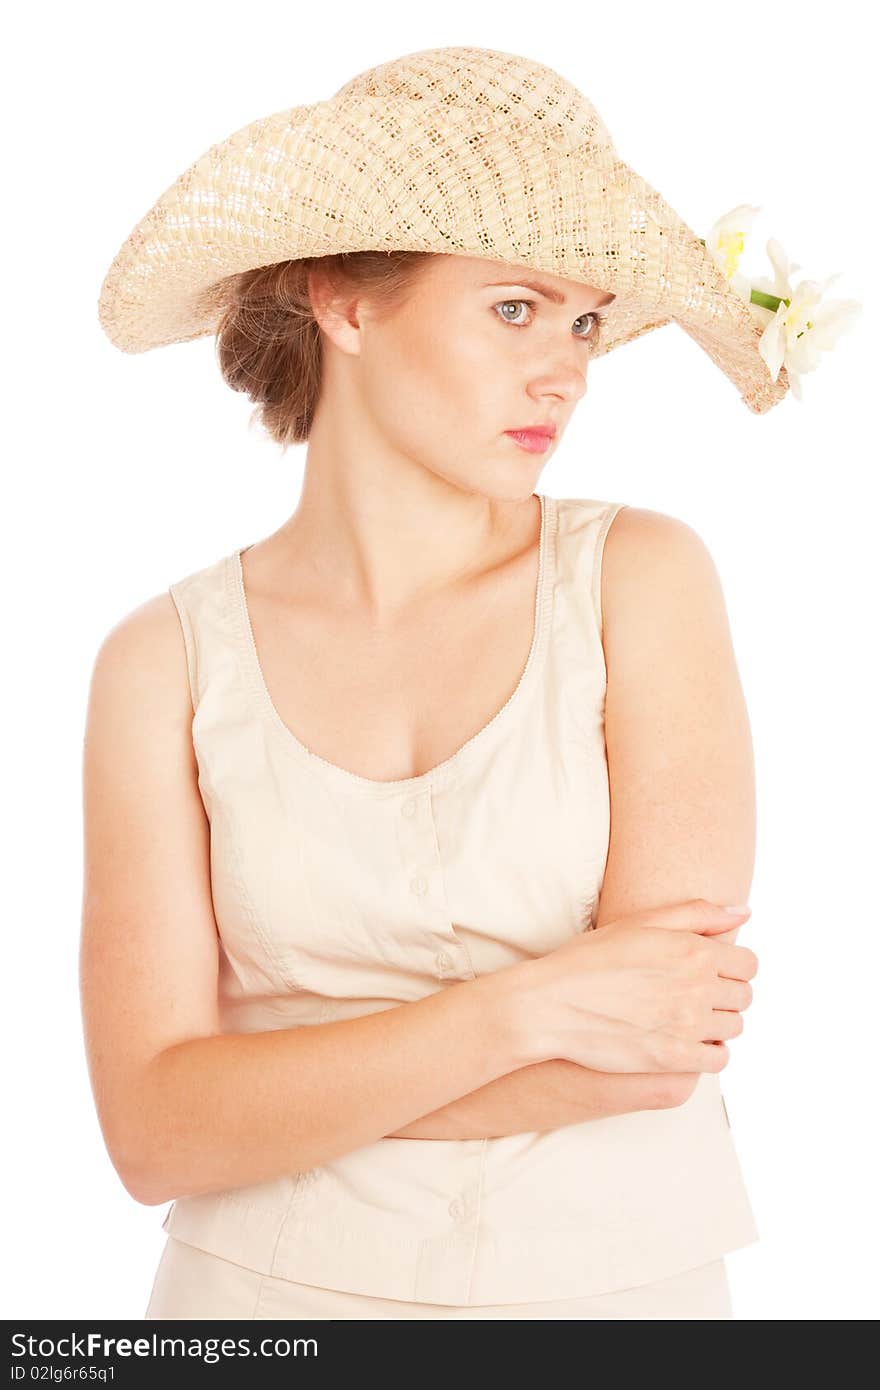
{"x": 457, "y": 1209}
{"x": 419, "y": 884}
{"x": 444, "y": 961}
{"x": 408, "y": 808}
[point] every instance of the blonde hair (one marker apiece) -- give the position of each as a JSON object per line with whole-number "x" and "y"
{"x": 269, "y": 345}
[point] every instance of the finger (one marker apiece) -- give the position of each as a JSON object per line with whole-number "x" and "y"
{"x": 736, "y": 962}
{"x": 696, "y": 914}
{"x": 732, "y": 994}
{"x": 725, "y": 1024}
{"x": 678, "y": 1055}
{"x": 712, "y": 1056}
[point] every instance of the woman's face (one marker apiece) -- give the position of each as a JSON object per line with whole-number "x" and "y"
{"x": 474, "y": 351}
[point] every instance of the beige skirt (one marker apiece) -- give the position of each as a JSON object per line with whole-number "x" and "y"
{"x": 191, "y": 1283}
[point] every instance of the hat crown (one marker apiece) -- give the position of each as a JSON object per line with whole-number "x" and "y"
{"x": 485, "y": 87}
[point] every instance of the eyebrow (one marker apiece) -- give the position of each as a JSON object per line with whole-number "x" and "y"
{"x": 544, "y": 290}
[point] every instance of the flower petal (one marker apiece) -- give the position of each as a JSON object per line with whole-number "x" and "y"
{"x": 802, "y": 353}
{"x": 832, "y": 318}
{"x": 770, "y": 345}
{"x": 741, "y": 285}
{"x": 739, "y": 219}
{"x": 781, "y": 267}
{"x": 726, "y": 238}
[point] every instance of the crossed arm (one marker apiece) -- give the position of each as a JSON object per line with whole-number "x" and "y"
{"x": 544, "y": 1096}
{"x": 682, "y": 826}
{"x": 681, "y": 779}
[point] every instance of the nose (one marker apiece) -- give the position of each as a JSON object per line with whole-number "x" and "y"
{"x": 567, "y": 382}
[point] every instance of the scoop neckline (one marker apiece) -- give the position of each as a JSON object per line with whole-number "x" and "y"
{"x": 434, "y": 776}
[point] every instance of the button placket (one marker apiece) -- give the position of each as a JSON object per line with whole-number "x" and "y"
{"x": 418, "y": 848}
{"x": 416, "y": 844}
{"x": 464, "y": 1194}
{"x": 420, "y": 861}
{"x": 446, "y": 1260}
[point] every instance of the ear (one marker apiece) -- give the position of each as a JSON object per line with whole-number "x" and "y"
{"x": 337, "y": 311}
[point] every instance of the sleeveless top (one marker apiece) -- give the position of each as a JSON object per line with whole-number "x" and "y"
{"x": 337, "y": 896}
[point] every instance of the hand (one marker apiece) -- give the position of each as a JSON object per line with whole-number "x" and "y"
{"x": 655, "y": 991}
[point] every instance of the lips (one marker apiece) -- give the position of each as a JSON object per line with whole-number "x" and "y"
{"x": 547, "y": 430}
{"x": 536, "y": 441}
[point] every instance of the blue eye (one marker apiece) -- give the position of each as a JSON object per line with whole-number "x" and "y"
{"x": 591, "y": 336}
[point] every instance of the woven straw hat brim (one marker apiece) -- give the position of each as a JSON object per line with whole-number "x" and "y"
{"x": 364, "y": 173}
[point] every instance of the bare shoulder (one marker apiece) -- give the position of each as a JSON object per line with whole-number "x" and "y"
{"x": 661, "y": 593}
{"x": 651, "y": 558}
{"x": 643, "y": 524}
{"x": 143, "y": 658}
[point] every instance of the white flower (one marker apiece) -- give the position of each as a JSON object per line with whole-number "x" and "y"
{"x": 725, "y": 240}
{"x": 783, "y": 269}
{"x": 803, "y": 327}
{"x": 800, "y": 326}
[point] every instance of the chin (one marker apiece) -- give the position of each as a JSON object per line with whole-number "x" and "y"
{"x": 504, "y": 480}
{"x": 509, "y": 488}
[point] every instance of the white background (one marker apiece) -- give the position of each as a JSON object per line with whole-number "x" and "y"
{"x": 110, "y": 457}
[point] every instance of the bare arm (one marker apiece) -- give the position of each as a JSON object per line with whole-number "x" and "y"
{"x": 681, "y": 776}
{"x": 234, "y": 1109}
{"x": 183, "y": 1107}
{"x": 678, "y": 740}
{"x": 545, "y": 1095}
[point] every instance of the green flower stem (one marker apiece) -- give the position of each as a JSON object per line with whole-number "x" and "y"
{"x": 766, "y": 301}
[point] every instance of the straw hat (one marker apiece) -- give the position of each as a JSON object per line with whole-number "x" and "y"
{"x": 461, "y": 150}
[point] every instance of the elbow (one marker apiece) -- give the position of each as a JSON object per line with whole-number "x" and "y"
{"x": 142, "y": 1182}
{"x": 140, "y": 1171}
{"x": 151, "y": 1177}
{"x": 143, "y": 1150}
{"x": 145, "y": 1188}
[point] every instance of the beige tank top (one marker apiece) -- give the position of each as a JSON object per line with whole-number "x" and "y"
{"x": 337, "y": 896}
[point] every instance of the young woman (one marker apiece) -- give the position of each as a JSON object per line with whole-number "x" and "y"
{"x": 377, "y": 991}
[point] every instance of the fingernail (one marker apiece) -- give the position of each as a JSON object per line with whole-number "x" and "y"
{"x": 743, "y": 907}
